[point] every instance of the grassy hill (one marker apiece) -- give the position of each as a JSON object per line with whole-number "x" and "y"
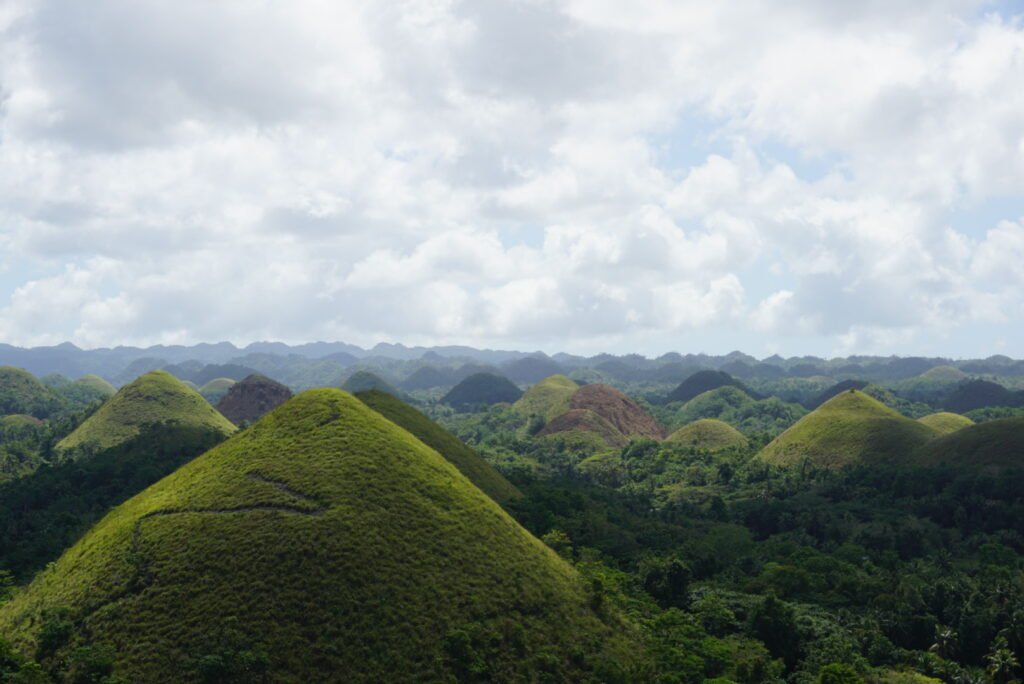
{"x": 480, "y": 472}
{"x": 995, "y": 444}
{"x": 249, "y": 399}
{"x": 737, "y": 408}
{"x": 481, "y": 389}
{"x": 86, "y": 390}
{"x": 21, "y": 392}
{"x": 838, "y": 388}
{"x": 584, "y": 429}
{"x": 362, "y": 381}
{"x": 704, "y": 381}
{"x": 215, "y": 390}
{"x": 850, "y": 428}
{"x": 708, "y": 434}
{"x": 628, "y": 417}
{"x": 152, "y": 399}
{"x": 945, "y": 422}
{"x": 322, "y": 540}
{"x": 548, "y": 398}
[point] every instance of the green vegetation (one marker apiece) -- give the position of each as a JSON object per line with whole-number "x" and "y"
{"x": 154, "y": 398}
{"x": 994, "y": 444}
{"x": 215, "y": 390}
{"x": 86, "y": 391}
{"x": 323, "y": 539}
{"x": 481, "y": 389}
{"x": 735, "y": 407}
{"x": 22, "y": 393}
{"x": 548, "y": 398}
{"x": 945, "y": 422}
{"x": 708, "y": 434}
{"x": 851, "y": 428}
{"x": 469, "y": 463}
{"x": 701, "y": 382}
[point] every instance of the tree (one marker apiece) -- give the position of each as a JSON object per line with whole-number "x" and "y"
{"x": 774, "y": 623}
{"x": 838, "y": 673}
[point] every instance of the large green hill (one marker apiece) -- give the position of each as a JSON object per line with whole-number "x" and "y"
{"x": 945, "y": 422}
{"x": 481, "y": 389}
{"x": 548, "y": 398}
{"x": 21, "y": 392}
{"x": 708, "y": 434}
{"x": 154, "y": 398}
{"x": 480, "y": 472}
{"x": 847, "y": 429}
{"x": 995, "y": 444}
{"x": 328, "y": 543}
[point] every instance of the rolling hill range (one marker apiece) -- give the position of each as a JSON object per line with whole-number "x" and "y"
{"x": 548, "y": 398}
{"x": 249, "y": 399}
{"x": 152, "y": 399}
{"x": 737, "y": 408}
{"x": 976, "y": 394}
{"x": 331, "y": 541}
{"x": 850, "y": 428}
{"x": 708, "y": 434}
{"x": 945, "y": 422}
{"x": 477, "y": 470}
{"x": 994, "y": 444}
{"x": 481, "y": 389}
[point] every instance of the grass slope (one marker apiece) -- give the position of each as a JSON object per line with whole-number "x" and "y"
{"x": 21, "y": 392}
{"x": 480, "y": 472}
{"x": 548, "y": 398}
{"x": 944, "y": 422}
{"x": 848, "y": 429}
{"x": 154, "y": 398}
{"x": 995, "y": 444}
{"x": 708, "y": 434}
{"x": 336, "y": 543}
{"x": 215, "y": 390}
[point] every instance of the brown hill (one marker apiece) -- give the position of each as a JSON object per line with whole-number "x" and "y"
{"x": 576, "y": 421}
{"x": 618, "y": 409}
{"x": 248, "y": 400}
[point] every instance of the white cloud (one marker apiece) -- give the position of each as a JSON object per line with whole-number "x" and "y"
{"x": 188, "y": 171}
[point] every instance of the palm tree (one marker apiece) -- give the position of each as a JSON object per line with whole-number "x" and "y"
{"x": 1001, "y": 662}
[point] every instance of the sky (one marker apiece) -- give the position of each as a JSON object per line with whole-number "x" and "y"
{"x": 793, "y": 177}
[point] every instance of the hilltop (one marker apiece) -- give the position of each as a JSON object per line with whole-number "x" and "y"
{"x": 22, "y": 393}
{"x": 362, "y": 381}
{"x": 325, "y": 539}
{"x": 152, "y": 399}
{"x": 622, "y": 412}
{"x": 469, "y": 463}
{"x": 249, "y": 399}
{"x": 481, "y": 389}
{"x": 945, "y": 422}
{"x": 995, "y": 444}
{"x": 548, "y": 398}
{"x": 708, "y": 434}
{"x": 848, "y": 429}
{"x": 215, "y": 390}
{"x": 737, "y": 408}
{"x": 704, "y": 381}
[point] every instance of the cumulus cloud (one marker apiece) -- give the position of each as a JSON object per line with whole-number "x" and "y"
{"x": 565, "y": 174}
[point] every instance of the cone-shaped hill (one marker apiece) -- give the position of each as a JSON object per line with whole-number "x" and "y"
{"x": 548, "y": 398}
{"x": 156, "y": 398}
{"x": 705, "y": 381}
{"x": 480, "y": 472}
{"x": 585, "y": 428}
{"x": 22, "y": 393}
{"x": 215, "y": 390}
{"x": 336, "y": 543}
{"x": 995, "y": 444}
{"x": 249, "y": 399}
{"x": 363, "y": 381}
{"x": 622, "y": 412}
{"x": 847, "y": 429}
{"x": 481, "y": 389}
{"x": 86, "y": 390}
{"x": 708, "y": 434}
{"x": 945, "y": 422}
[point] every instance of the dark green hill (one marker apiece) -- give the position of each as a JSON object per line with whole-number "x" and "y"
{"x": 363, "y": 381}
{"x": 481, "y": 389}
{"x": 705, "y": 381}
{"x": 995, "y": 444}
{"x": 428, "y": 377}
{"x": 737, "y": 408}
{"x": 332, "y": 545}
{"x": 530, "y": 369}
{"x": 851, "y": 428}
{"x": 21, "y": 392}
{"x": 838, "y": 388}
{"x": 708, "y": 434}
{"x": 480, "y": 472}
{"x": 152, "y": 399}
{"x": 250, "y": 399}
{"x": 976, "y": 394}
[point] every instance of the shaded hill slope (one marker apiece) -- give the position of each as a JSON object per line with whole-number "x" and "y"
{"x": 848, "y": 429}
{"x": 249, "y": 399}
{"x": 481, "y": 389}
{"x": 337, "y": 543}
{"x": 995, "y": 444}
{"x": 586, "y": 425}
{"x": 705, "y": 381}
{"x": 22, "y": 393}
{"x": 480, "y": 472}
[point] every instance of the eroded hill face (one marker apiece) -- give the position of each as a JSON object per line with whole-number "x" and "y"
{"x": 247, "y": 401}
{"x": 587, "y": 422}
{"x": 615, "y": 407}
{"x": 334, "y": 542}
